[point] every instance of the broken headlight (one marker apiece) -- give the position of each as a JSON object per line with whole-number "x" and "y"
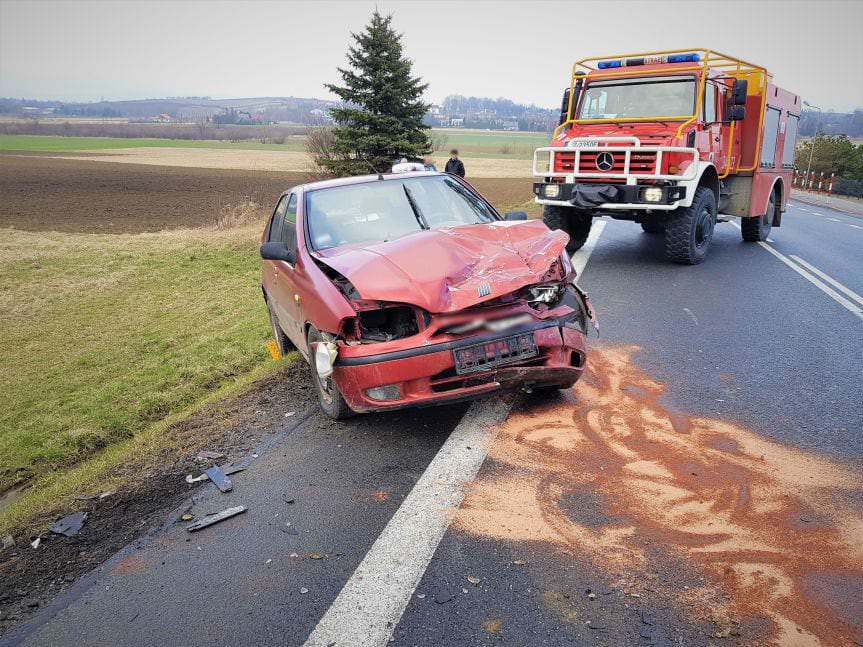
{"x": 545, "y": 294}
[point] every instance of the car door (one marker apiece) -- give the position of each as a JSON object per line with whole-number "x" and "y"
{"x": 273, "y": 271}
{"x": 292, "y": 321}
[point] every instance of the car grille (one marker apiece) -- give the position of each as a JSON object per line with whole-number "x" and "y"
{"x": 640, "y": 162}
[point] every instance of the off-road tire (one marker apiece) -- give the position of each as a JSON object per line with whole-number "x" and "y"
{"x": 284, "y": 344}
{"x": 574, "y": 222}
{"x": 758, "y": 229}
{"x": 689, "y": 231}
{"x": 332, "y": 402}
{"x": 653, "y": 227}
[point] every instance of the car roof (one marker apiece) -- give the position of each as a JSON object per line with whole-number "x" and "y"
{"x": 361, "y": 179}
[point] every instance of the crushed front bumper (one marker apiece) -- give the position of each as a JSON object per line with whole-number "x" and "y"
{"x": 426, "y": 375}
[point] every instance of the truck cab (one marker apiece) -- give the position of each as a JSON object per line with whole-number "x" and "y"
{"x": 669, "y": 140}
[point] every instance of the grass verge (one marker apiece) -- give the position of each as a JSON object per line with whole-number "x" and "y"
{"x": 104, "y": 336}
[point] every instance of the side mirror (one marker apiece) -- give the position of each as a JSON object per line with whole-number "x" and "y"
{"x": 736, "y": 113}
{"x": 739, "y": 89}
{"x": 277, "y": 251}
{"x": 564, "y": 108}
{"x": 515, "y": 215}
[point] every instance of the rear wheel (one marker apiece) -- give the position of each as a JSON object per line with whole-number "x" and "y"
{"x": 574, "y": 222}
{"x": 653, "y": 227}
{"x": 690, "y": 229}
{"x": 329, "y": 396}
{"x": 756, "y": 229}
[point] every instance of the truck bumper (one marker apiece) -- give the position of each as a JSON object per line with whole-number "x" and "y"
{"x": 607, "y": 196}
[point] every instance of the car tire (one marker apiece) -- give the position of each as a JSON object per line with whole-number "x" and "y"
{"x": 284, "y": 344}
{"x": 332, "y": 402}
{"x": 653, "y": 227}
{"x": 689, "y": 231}
{"x": 754, "y": 230}
{"x": 574, "y": 222}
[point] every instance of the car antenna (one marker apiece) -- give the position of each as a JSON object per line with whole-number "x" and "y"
{"x": 374, "y": 170}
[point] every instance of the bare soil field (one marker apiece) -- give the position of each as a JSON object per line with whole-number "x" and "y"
{"x": 75, "y": 194}
{"x": 48, "y": 194}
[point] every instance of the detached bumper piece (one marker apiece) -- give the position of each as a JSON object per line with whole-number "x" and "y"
{"x": 590, "y": 196}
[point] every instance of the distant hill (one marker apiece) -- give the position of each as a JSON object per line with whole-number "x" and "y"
{"x": 456, "y": 110}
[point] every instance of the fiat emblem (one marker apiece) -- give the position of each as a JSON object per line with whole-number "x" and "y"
{"x": 604, "y": 161}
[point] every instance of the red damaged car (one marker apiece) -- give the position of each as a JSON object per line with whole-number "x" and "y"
{"x": 410, "y": 290}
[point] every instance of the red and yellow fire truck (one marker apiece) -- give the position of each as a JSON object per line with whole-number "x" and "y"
{"x": 669, "y": 139}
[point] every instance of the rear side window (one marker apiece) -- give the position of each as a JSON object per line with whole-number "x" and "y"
{"x": 278, "y": 218}
{"x": 771, "y": 130}
{"x": 790, "y": 141}
{"x": 289, "y": 229}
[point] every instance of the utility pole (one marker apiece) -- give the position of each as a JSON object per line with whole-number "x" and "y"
{"x": 812, "y": 146}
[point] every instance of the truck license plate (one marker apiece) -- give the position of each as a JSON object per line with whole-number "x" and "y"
{"x": 481, "y": 357}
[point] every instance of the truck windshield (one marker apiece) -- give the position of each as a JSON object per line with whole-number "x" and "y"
{"x": 657, "y": 96}
{"x": 379, "y": 211}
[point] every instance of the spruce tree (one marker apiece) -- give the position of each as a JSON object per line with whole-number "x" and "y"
{"x": 381, "y": 119}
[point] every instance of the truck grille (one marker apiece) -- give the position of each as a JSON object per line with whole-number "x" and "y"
{"x": 639, "y": 162}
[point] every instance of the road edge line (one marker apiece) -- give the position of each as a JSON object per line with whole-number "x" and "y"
{"x": 580, "y": 258}
{"x": 372, "y": 601}
{"x": 829, "y": 279}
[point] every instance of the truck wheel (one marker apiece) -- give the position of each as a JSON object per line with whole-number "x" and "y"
{"x": 574, "y": 222}
{"x": 329, "y": 396}
{"x": 653, "y": 227}
{"x": 690, "y": 229}
{"x": 282, "y": 342}
{"x": 756, "y": 229}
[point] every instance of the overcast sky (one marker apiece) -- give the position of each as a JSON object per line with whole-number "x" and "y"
{"x": 75, "y": 50}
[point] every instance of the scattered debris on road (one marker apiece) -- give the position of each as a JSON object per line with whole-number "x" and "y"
{"x": 8, "y": 542}
{"x": 227, "y": 469}
{"x": 70, "y": 525}
{"x": 207, "y": 455}
{"x": 211, "y": 519}
{"x": 98, "y": 495}
{"x": 35, "y": 543}
{"x": 473, "y": 580}
{"x": 217, "y": 476}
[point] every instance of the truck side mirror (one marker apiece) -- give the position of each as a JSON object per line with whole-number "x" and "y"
{"x": 277, "y": 251}
{"x": 515, "y": 215}
{"x": 737, "y": 113}
{"x": 739, "y": 89}
{"x": 564, "y": 108}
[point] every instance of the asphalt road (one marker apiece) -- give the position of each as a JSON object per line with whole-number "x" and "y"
{"x": 741, "y": 340}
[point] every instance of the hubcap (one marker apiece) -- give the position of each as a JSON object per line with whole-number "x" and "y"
{"x": 703, "y": 228}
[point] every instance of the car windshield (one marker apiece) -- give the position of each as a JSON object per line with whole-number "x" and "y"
{"x": 379, "y": 211}
{"x": 669, "y": 96}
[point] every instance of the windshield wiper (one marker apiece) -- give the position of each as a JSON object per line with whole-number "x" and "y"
{"x": 418, "y": 214}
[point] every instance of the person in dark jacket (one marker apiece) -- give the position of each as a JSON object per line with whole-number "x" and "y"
{"x": 454, "y": 165}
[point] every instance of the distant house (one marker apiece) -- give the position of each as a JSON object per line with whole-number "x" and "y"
{"x": 162, "y": 118}
{"x": 457, "y": 122}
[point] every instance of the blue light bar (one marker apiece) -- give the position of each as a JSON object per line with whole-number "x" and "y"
{"x": 650, "y": 60}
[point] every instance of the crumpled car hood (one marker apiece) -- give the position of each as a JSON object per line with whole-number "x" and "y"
{"x": 452, "y": 268}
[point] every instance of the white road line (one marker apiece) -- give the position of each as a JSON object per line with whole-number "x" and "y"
{"x": 372, "y": 601}
{"x": 834, "y": 219}
{"x": 855, "y": 226}
{"x": 580, "y": 258}
{"x": 367, "y": 609}
{"x": 829, "y": 279}
{"x": 848, "y": 305}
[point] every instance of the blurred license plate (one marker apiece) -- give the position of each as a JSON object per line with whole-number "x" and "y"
{"x": 481, "y": 357}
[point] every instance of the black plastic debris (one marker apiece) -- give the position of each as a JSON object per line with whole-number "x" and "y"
{"x": 209, "y": 520}
{"x": 217, "y": 476}
{"x": 70, "y": 525}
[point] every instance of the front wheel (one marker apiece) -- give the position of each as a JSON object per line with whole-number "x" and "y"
{"x": 574, "y": 222}
{"x": 690, "y": 229}
{"x": 329, "y": 396}
{"x": 754, "y": 230}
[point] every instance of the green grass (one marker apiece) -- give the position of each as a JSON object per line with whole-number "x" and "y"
{"x": 471, "y": 143}
{"x": 103, "y": 336}
{"x": 58, "y": 144}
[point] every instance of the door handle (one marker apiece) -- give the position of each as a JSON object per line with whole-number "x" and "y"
{"x": 716, "y": 139}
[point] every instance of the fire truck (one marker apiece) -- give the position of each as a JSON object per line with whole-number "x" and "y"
{"x": 670, "y": 140}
